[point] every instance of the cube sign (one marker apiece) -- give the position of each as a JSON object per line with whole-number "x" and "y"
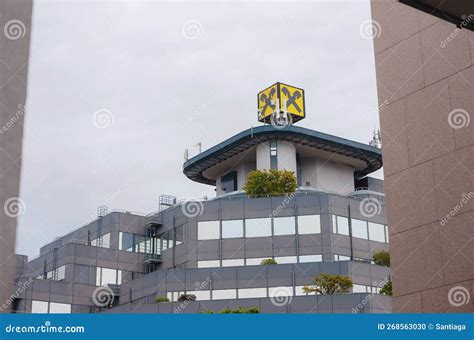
{"x": 287, "y": 98}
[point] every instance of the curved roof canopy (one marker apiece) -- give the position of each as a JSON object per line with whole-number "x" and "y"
{"x": 194, "y": 167}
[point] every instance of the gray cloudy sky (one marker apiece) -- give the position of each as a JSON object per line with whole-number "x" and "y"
{"x": 169, "y": 75}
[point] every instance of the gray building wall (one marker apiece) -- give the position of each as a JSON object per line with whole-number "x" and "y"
{"x": 177, "y": 271}
{"x": 14, "y": 55}
{"x": 425, "y": 77}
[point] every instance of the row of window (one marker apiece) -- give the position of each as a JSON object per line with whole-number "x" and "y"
{"x": 360, "y": 229}
{"x": 44, "y": 307}
{"x": 102, "y": 241}
{"x": 106, "y": 276}
{"x": 259, "y": 227}
{"x": 257, "y": 260}
{"x": 248, "y": 293}
{"x": 132, "y": 242}
{"x": 59, "y": 275}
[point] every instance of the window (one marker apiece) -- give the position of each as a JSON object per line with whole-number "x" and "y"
{"x": 258, "y": 227}
{"x": 341, "y": 257}
{"x": 376, "y": 232}
{"x": 208, "y": 264}
{"x": 61, "y": 273}
{"x": 299, "y": 291}
{"x": 280, "y": 291}
{"x": 232, "y": 263}
{"x": 102, "y": 241}
{"x": 208, "y": 230}
{"x": 44, "y": 307}
{"x": 247, "y": 293}
{"x": 340, "y": 225}
{"x": 201, "y": 295}
{"x": 359, "y": 229}
{"x": 174, "y": 296}
{"x": 224, "y": 294}
{"x": 273, "y": 155}
{"x": 59, "y": 308}
{"x": 106, "y": 276}
{"x": 39, "y": 307}
{"x": 284, "y": 225}
{"x": 229, "y": 182}
{"x": 139, "y": 244}
{"x": 309, "y": 224}
{"x": 360, "y": 289}
{"x": 311, "y": 258}
{"x": 180, "y": 233}
{"x": 254, "y": 261}
{"x": 232, "y": 229}
{"x": 286, "y": 259}
{"x": 126, "y": 241}
{"x": 106, "y": 240}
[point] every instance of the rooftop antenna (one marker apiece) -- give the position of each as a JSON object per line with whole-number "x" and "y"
{"x": 376, "y": 141}
{"x": 186, "y": 155}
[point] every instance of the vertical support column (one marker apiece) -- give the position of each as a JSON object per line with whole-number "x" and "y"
{"x": 15, "y": 21}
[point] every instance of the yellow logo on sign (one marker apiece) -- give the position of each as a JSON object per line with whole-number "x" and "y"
{"x": 267, "y": 101}
{"x": 288, "y": 98}
{"x": 293, "y": 98}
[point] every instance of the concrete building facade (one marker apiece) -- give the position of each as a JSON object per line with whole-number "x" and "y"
{"x": 15, "y": 29}
{"x": 425, "y": 80}
{"x": 213, "y": 249}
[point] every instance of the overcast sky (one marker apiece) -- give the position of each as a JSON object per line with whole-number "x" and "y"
{"x": 118, "y": 90}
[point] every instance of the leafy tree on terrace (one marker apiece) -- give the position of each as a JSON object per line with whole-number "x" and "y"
{"x": 270, "y": 182}
{"x": 329, "y": 284}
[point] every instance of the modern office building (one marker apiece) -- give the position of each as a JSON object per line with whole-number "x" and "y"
{"x": 424, "y": 54}
{"x": 213, "y": 248}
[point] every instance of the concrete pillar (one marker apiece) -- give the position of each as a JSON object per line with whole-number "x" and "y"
{"x": 15, "y": 29}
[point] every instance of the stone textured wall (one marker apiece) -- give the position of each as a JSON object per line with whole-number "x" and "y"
{"x": 15, "y": 28}
{"x": 425, "y": 81}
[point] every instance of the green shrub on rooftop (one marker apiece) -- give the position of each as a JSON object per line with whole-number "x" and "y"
{"x": 382, "y": 258}
{"x": 270, "y": 183}
{"x": 329, "y": 284}
{"x": 240, "y": 310}
{"x": 161, "y": 299}
{"x": 268, "y": 262}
